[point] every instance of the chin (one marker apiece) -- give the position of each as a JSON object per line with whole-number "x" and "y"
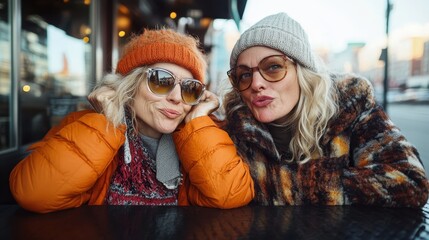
{"x": 166, "y": 131}
{"x": 168, "y": 128}
{"x": 264, "y": 119}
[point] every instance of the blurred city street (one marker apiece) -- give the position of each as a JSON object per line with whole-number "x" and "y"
{"x": 413, "y": 120}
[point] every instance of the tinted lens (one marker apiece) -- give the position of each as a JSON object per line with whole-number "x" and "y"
{"x": 243, "y": 77}
{"x": 273, "y": 68}
{"x": 192, "y": 90}
{"x": 160, "y": 82}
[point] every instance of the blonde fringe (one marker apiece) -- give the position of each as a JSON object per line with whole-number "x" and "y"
{"x": 126, "y": 88}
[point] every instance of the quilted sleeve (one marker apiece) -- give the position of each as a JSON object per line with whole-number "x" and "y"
{"x": 62, "y": 168}
{"x": 218, "y": 176}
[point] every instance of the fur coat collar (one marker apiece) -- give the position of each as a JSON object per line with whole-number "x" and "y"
{"x": 366, "y": 159}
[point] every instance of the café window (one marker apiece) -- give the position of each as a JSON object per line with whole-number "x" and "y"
{"x": 55, "y": 60}
{"x": 6, "y": 135}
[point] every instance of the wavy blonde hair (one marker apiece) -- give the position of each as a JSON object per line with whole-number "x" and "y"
{"x": 126, "y": 88}
{"x": 308, "y": 120}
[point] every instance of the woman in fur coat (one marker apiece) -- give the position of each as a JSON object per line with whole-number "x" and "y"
{"x": 313, "y": 137}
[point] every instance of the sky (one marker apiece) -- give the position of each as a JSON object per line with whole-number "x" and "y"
{"x": 60, "y": 45}
{"x": 333, "y": 23}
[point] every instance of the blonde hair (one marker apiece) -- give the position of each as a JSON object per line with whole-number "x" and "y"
{"x": 126, "y": 88}
{"x": 308, "y": 120}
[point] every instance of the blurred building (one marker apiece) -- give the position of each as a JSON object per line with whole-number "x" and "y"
{"x": 425, "y": 58}
{"x": 408, "y": 66}
{"x": 347, "y": 60}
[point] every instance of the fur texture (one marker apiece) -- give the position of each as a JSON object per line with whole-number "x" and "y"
{"x": 366, "y": 160}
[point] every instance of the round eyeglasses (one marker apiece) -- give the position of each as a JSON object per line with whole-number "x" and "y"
{"x": 161, "y": 82}
{"x": 272, "y": 68}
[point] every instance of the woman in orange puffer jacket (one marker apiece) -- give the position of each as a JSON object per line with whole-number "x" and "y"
{"x": 123, "y": 153}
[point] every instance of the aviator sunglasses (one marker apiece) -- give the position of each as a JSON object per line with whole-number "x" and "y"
{"x": 272, "y": 68}
{"x": 161, "y": 82}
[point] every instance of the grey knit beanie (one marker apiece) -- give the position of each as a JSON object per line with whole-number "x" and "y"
{"x": 279, "y": 32}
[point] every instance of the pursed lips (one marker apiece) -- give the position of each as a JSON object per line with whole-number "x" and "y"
{"x": 262, "y": 101}
{"x": 170, "y": 113}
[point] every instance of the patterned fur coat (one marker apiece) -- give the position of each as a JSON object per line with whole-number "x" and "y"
{"x": 366, "y": 158}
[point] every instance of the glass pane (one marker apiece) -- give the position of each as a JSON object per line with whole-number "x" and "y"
{"x": 5, "y": 76}
{"x": 55, "y": 63}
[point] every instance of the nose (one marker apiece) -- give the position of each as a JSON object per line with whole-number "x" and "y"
{"x": 258, "y": 82}
{"x": 175, "y": 95}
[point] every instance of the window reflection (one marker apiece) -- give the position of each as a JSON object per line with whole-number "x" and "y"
{"x": 55, "y": 61}
{"x": 5, "y": 76}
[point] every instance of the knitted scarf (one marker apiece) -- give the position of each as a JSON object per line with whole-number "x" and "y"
{"x": 135, "y": 180}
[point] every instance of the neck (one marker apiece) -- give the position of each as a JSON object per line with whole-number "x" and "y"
{"x": 281, "y": 136}
{"x": 148, "y": 131}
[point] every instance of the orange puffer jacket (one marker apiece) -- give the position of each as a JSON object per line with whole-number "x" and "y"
{"x": 73, "y": 164}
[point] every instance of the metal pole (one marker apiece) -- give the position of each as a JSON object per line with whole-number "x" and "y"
{"x": 386, "y": 60}
{"x": 15, "y": 126}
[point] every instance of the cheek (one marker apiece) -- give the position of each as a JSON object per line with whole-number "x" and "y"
{"x": 245, "y": 98}
{"x": 143, "y": 102}
{"x": 296, "y": 92}
{"x": 146, "y": 98}
{"x": 291, "y": 90}
{"x": 186, "y": 109}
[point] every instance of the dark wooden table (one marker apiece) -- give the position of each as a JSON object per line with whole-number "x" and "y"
{"x": 250, "y": 222}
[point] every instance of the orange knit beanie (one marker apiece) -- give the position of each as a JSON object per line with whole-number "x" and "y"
{"x": 164, "y": 45}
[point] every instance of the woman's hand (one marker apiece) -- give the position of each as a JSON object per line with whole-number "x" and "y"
{"x": 100, "y": 98}
{"x": 209, "y": 103}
